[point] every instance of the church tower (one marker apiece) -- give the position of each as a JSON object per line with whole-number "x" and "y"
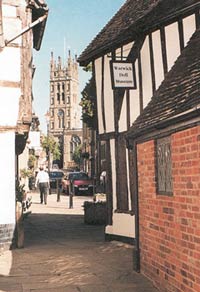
{"x": 65, "y": 113}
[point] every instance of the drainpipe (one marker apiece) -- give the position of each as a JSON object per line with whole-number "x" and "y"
{"x": 27, "y": 28}
{"x": 136, "y": 251}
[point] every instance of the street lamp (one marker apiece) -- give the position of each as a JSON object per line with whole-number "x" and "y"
{"x": 47, "y": 116}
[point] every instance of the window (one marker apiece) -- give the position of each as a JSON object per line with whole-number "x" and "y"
{"x": 58, "y": 97}
{"x": 58, "y": 86}
{"x": 164, "y": 166}
{"x": 103, "y": 151}
{"x": 68, "y": 99}
{"x": 63, "y": 97}
{"x": 52, "y": 100}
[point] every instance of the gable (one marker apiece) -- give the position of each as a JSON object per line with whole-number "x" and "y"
{"x": 133, "y": 19}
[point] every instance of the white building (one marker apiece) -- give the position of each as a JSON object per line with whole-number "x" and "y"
{"x": 22, "y": 25}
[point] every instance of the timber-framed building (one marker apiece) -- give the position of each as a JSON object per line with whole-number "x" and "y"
{"x": 152, "y": 136}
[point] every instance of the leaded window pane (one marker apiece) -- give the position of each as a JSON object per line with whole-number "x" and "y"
{"x": 164, "y": 166}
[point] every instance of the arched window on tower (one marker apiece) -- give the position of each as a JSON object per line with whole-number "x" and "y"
{"x": 68, "y": 99}
{"x": 63, "y": 97}
{"x": 58, "y": 97}
{"x": 63, "y": 86}
{"x": 58, "y": 86}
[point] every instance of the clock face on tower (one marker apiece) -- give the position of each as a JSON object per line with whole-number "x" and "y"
{"x": 60, "y": 113}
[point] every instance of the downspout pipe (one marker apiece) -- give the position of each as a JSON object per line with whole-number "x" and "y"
{"x": 136, "y": 251}
{"x": 27, "y": 28}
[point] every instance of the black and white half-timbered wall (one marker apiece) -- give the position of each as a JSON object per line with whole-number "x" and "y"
{"x": 151, "y": 34}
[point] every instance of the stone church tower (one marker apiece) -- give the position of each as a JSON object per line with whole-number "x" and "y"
{"x": 65, "y": 113}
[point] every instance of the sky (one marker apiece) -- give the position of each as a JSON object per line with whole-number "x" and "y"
{"x": 71, "y": 24}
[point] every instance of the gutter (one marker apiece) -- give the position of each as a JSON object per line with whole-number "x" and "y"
{"x": 188, "y": 114}
{"x": 27, "y": 28}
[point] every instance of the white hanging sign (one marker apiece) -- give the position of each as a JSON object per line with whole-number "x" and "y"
{"x": 122, "y": 75}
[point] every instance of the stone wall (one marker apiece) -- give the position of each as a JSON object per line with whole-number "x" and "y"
{"x": 6, "y": 236}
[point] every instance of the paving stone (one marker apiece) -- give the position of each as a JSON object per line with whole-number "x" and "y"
{"x": 62, "y": 254}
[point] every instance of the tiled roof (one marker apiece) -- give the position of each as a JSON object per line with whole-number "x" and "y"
{"x": 134, "y": 17}
{"x": 178, "y": 94}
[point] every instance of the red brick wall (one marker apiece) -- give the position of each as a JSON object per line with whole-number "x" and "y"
{"x": 170, "y": 225}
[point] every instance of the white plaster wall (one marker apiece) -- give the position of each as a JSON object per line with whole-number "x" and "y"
{"x": 10, "y": 64}
{"x": 7, "y": 170}
{"x": 189, "y": 27}
{"x": 172, "y": 44}
{"x": 123, "y": 225}
{"x": 98, "y": 77}
{"x": 123, "y": 116}
{"x": 146, "y": 73}
{"x": 134, "y": 98}
{"x": 108, "y": 96}
{"x": 9, "y": 99}
{"x": 127, "y": 48}
{"x": 9, "y": 11}
{"x": 113, "y": 166}
{"x": 157, "y": 54}
{"x": 11, "y": 28}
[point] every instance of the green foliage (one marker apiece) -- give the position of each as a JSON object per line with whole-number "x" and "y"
{"x": 31, "y": 161}
{"x": 20, "y": 192}
{"x": 50, "y": 145}
{"x": 88, "y": 104}
{"x": 88, "y": 68}
{"x": 77, "y": 155}
{"x": 24, "y": 172}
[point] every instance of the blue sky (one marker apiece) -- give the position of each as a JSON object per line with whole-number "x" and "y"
{"x": 72, "y": 24}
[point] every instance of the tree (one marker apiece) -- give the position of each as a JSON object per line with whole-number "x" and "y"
{"x": 31, "y": 161}
{"x": 88, "y": 104}
{"x": 50, "y": 145}
{"x": 77, "y": 155}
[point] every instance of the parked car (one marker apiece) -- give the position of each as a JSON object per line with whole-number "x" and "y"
{"x": 80, "y": 182}
{"x": 55, "y": 178}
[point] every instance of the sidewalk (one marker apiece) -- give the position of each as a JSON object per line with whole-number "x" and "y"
{"x": 62, "y": 254}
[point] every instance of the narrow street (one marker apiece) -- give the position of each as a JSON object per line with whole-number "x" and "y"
{"x": 62, "y": 254}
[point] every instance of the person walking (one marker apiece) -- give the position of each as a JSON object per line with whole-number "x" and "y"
{"x": 42, "y": 179}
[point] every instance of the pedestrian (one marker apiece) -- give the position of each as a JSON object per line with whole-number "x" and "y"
{"x": 42, "y": 179}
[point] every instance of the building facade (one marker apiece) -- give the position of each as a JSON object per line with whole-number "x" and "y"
{"x": 64, "y": 110}
{"x": 22, "y": 25}
{"x": 154, "y": 208}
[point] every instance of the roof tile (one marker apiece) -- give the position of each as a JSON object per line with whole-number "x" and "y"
{"x": 179, "y": 92}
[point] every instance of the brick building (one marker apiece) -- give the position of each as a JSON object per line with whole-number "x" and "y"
{"x": 151, "y": 136}
{"x": 166, "y": 138}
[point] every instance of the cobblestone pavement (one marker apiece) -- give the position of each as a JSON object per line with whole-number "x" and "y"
{"x": 62, "y": 254}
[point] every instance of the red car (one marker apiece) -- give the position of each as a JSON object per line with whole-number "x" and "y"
{"x": 80, "y": 183}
